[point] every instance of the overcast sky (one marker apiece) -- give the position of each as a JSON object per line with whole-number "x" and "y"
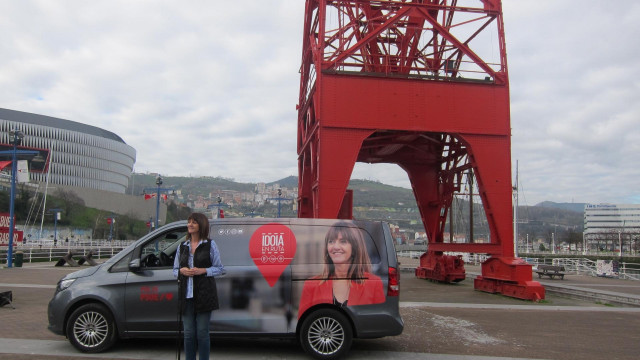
{"x": 210, "y": 87}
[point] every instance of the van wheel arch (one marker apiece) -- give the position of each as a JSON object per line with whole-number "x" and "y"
{"x": 326, "y": 306}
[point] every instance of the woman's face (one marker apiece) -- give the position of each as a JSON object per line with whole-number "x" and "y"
{"x": 339, "y": 250}
{"x": 192, "y": 227}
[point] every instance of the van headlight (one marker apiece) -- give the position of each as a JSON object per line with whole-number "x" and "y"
{"x": 64, "y": 283}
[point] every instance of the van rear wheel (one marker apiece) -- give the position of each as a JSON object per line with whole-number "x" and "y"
{"x": 326, "y": 334}
{"x": 91, "y": 328}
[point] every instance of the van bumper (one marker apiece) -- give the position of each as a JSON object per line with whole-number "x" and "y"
{"x": 375, "y": 321}
{"x": 56, "y": 320}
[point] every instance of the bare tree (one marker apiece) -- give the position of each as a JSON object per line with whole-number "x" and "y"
{"x": 68, "y": 199}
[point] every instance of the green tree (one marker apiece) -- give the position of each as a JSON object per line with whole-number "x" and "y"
{"x": 177, "y": 212}
{"x": 574, "y": 238}
{"x": 70, "y": 203}
{"x": 4, "y": 201}
{"x": 21, "y": 205}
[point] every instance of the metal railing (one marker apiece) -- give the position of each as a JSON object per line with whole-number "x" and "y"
{"x": 583, "y": 266}
{"x": 39, "y": 252}
{"x": 578, "y": 266}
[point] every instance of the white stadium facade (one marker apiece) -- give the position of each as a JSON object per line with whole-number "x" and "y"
{"x": 91, "y": 162}
{"x": 78, "y": 155}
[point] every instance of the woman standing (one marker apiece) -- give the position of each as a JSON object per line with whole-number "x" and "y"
{"x": 197, "y": 262}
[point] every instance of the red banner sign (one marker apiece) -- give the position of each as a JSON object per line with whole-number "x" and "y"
{"x": 4, "y": 237}
{"x": 5, "y": 220}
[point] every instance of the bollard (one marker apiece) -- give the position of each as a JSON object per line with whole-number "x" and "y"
{"x": 18, "y": 259}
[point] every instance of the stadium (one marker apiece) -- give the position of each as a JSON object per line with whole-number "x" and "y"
{"x": 70, "y": 153}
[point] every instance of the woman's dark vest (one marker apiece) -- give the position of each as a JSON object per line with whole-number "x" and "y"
{"x": 205, "y": 294}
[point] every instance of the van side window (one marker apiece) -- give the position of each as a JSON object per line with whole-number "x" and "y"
{"x": 233, "y": 242}
{"x": 161, "y": 251}
{"x": 122, "y": 265}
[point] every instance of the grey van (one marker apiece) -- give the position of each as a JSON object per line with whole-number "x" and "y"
{"x": 278, "y": 283}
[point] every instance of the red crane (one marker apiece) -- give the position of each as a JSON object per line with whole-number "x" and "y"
{"x": 422, "y": 84}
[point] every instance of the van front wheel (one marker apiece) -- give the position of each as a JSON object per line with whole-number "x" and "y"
{"x": 91, "y": 328}
{"x": 326, "y": 334}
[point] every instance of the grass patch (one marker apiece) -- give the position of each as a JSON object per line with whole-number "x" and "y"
{"x": 605, "y": 304}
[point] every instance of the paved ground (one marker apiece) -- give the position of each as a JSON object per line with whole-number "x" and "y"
{"x": 442, "y": 322}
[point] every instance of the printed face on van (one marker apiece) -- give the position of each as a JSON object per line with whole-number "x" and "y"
{"x": 339, "y": 250}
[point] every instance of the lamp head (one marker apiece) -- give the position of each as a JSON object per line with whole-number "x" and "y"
{"x": 15, "y": 137}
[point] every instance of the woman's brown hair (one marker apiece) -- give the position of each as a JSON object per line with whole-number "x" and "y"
{"x": 203, "y": 225}
{"x": 360, "y": 262}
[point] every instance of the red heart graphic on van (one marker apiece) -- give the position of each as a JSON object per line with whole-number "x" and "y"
{"x": 272, "y": 247}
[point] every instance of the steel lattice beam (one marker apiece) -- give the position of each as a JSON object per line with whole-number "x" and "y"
{"x": 409, "y": 83}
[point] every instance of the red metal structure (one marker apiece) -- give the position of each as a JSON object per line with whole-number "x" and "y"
{"x": 422, "y": 84}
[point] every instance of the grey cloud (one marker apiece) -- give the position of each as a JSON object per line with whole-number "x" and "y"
{"x": 210, "y": 88}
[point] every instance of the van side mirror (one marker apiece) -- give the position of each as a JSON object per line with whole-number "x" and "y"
{"x": 134, "y": 265}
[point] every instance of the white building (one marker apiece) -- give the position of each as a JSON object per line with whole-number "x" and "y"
{"x": 79, "y": 155}
{"x": 94, "y": 163}
{"x": 612, "y": 225}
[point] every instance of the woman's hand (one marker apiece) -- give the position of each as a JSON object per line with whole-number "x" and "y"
{"x": 192, "y": 271}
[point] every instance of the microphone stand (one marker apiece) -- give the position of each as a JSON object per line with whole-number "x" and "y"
{"x": 180, "y": 300}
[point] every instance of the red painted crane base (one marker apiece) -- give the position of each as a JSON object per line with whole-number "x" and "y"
{"x": 424, "y": 85}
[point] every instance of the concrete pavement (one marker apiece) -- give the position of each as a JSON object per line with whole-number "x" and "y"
{"x": 442, "y": 321}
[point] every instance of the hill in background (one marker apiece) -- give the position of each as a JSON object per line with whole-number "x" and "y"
{"x": 289, "y": 181}
{"x": 377, "y": 201}
{"x": 577, "y": 207}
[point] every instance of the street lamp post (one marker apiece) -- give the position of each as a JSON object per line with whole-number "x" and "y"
{"x": 56, "y": 215}
{"x": 158, "y": 191}
{"x": 219, "y": 206}
{"x": 111, "y": 220}
{"x": 620, "y": 231}
{"x": 158, "y": 183}
{"x": 15, "y": 138}
{"x": 620, "y": 243}
{"x": 279, "y": 199}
